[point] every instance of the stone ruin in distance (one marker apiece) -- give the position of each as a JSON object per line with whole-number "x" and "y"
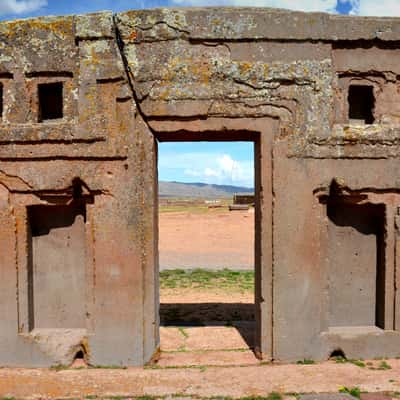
{"x": 84, "y": 101}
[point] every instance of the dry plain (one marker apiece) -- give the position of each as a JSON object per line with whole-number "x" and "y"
{"x": 198, "y": 237}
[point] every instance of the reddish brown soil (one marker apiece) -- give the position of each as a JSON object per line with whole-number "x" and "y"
{"x": 207, "y": 381}
{"x": 214, "y": 239}
{"x": 214, "y": 295}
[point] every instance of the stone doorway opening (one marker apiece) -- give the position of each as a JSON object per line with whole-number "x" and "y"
{"x": 208, "y": 256}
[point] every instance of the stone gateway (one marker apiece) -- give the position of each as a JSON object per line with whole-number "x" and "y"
{"x": 84, "y": 101}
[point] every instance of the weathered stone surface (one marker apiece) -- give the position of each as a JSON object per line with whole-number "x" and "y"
{"x": 375, "y": 396}
{"x": 250, "y": 23}
{"x": 95, "y": 26}
{"x": 84, "y": 101}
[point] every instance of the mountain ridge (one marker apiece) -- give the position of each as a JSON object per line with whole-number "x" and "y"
{"x": 199, "y": 189}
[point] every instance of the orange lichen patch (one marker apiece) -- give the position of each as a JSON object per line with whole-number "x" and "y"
{"x": 201, "y": 72}
{"x": 164, "y": 95}
{"x": 133, "y": 35}
{"x": 351, "y": 134}
{"x": 179, "y": 68}
{"x": 265, "y": 68}
{"x": 245, "y": 67}
{"x": 94, "y": 57}
{"x": 62, "y": 27}
{"x": 172, "y": 68}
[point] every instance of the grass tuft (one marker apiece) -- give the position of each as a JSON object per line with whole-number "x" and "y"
{"x": 59, "y": 367}
{"x": 384, "y": 365}
{"x": 355, "y": 391}
{"x": 306, "y": 361}
{"x": 271, "y": 396}
{"x": 107, "y": 367}
{"x": 359, "y": 363}
{"x": 183, "y": 332}
{"x": 340, "y": 360}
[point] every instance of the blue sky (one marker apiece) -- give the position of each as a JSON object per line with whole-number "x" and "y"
{"x": 26, "y": 8}
{"x": 227, "y": 163}
{"x": 221, "y": 163}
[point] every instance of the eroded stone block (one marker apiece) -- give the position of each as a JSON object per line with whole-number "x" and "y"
{"x": 57, "y": 266}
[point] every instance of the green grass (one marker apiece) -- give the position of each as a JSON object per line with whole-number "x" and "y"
{"x": 59, "y": 367}
{"x": 271, "y": 396}
{"x": 384, "y": 365}
{"x": 355, "y": 391}
{"x": 195, "y": 206}
{"x": 190, "y": 209}
{"x": 343, "y": 360}
{"x": 340, "y": 360}
{"x": 359, "y": 363}
{"x": 274, "y": 396}
{"x": 306, "y": 361}
{"x": 145, "y": 398}
{"x": 183, "y": 332}
{"x": 205, "y": 279}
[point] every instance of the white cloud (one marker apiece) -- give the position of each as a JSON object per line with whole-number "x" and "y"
{"x": 181, "y": 160}
{"x": 390, "y": 8}
{"x": 209, "y": 172}
{"x": 209, "y": 167}
{"x": 300, "y": 5}
{"x": 226, "y": 163}
{"x": 8, "y": 7}
{"x": 191, "y": 172}
{"x": 222, "y": 170}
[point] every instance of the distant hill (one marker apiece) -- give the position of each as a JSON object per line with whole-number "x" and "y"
{"x": 195, "y": 189}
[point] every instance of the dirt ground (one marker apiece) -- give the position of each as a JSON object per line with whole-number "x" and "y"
{"x": 194, "y": 381}
{"x": 206, "y": 336}
{"x": 208, "y": 357}
{"x": 213, "y": 239}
